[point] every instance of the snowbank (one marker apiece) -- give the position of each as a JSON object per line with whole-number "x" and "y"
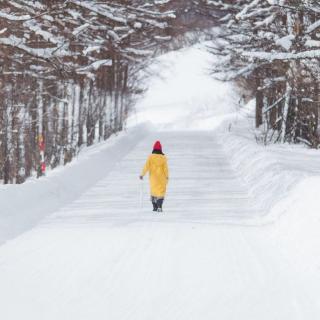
{"x": 23, "y": 206}
{"x": 270, "y": 172}
{"x": 299, "y": 225}
{"x": 284, "y": 180}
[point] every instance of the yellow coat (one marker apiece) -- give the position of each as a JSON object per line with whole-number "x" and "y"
{"x": 157, "y": 167}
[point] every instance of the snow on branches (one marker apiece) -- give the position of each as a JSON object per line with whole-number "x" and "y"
{"x": 67, "y": 29}
{"x": 275, "y": 39}
{"x": 68, "y": 75}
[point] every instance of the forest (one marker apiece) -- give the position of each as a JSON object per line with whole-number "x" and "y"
{"x": 272, "y": 47}
{"x": 69, "y": 69}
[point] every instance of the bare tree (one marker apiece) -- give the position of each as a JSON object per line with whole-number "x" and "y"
{"x": 65, "y": 75}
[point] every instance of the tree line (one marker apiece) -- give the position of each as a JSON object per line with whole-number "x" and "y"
{"x": 69, "y": 72}
{"x": 273, "y": 47}
{"x": 68, "y": 68}
{"x": 68, "y": 75}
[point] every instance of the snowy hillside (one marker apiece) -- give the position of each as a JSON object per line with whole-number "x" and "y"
{"x": 238, "y": 239}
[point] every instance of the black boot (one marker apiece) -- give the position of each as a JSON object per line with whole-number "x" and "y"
{"x": 154, "y": 203}
{"x": 159, "y": 205}
{"x": 155, "y": 207}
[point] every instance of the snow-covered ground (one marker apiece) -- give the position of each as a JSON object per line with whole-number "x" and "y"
{"x": 22, "y": 206}
{"x": 238, "y": 239}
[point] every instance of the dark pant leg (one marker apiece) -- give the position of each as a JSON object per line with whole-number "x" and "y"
{"x": 160, "y": 203}
{"x": 154, "y": 203}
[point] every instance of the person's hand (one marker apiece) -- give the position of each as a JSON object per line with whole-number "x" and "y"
{"x": 141, "y": 177}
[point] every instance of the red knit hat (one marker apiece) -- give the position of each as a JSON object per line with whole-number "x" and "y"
{"x": 157, "y": 146}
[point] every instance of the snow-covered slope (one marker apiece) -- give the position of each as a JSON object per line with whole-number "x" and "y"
{"x": 238, "y": 239}
{"x": 271, "y": 173}
{"x": 22, "y": 206}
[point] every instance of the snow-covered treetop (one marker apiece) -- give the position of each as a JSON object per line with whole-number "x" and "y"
{"x": 260, "y": 31}
{"x": 72, "y": 36}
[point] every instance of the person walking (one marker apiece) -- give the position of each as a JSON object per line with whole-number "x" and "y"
{"x": 157, "y": 166}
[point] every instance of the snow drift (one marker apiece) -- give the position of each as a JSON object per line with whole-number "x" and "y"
{"x": 23, "y": 206}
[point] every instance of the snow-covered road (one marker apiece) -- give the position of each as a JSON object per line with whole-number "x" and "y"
{"x": 236, "y": 241}
{"x": 203, "y": 187}
{"x": 103, "y": 257}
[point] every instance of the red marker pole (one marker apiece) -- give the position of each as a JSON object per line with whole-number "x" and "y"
{"x": 42, "y": 149}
